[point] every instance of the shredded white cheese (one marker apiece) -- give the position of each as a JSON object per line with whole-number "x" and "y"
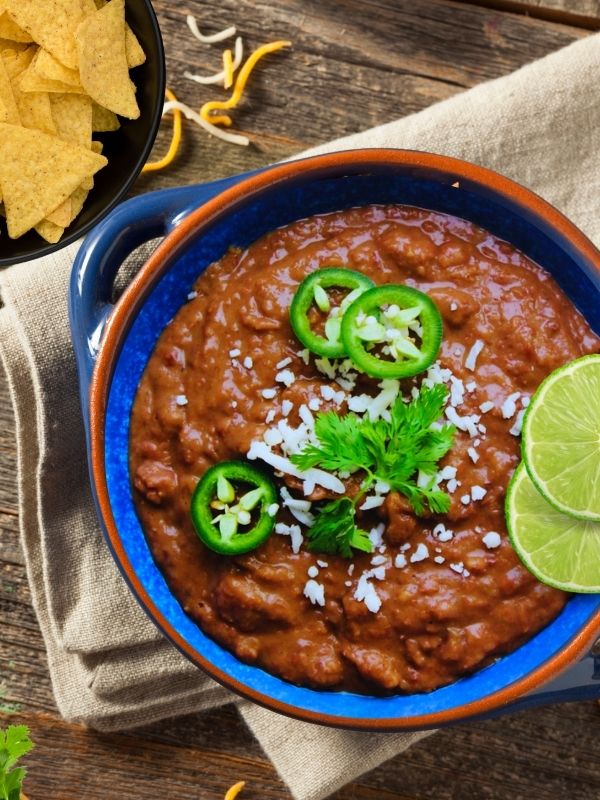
{"x": 487, "y": 406}
{"x": 420, "y": 554}
{"x": 325, "y": 479}
{"x": 212, "y": 38}
{"x": 400, "y": 561}
{"x": 269, "y": 394}
{"x": 509, "y": 406}
{"x": 181, "y": 400}
{"x": 315, "y": 592}
{"x": 294, "y": 532}
{"x": 471, "y": 359}
{"x": 492, "y": 540}
{"x": 478, "y": 492}
{"x": 374, "y": 501}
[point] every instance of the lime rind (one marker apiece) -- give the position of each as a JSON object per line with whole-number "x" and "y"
{"x": 560, "y": 550}
{"x": 561, "y": 438}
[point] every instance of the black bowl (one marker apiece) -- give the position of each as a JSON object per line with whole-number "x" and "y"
{"x": 127, "y": 149}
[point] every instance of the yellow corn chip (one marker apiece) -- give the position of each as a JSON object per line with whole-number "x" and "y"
{"x": 3, "y": 111}
{"x": 50, "y": 23}
{"x": 17, "y": 61}
{"x": 72, "y": 114}
{"x": 78, "y": 198}
{"x": 103, "y": 119}
{"x": 61, "y": 215}
{"x": 34, "y": 110}
{"x": 7, "y": 95}
{"x": 32, "y": 82}
{"x": 33, "y": 107}
{"x": 49, "y": 231}
{"x": 10, "y": 30}
{"x": 135, "y": 52}
{"x": 38, "y": 172}
{"x": 103, "y": 61}
{"x": 46, "y": 66}
{"x": 6, "y": 44}
{"x": 97, "y": 147}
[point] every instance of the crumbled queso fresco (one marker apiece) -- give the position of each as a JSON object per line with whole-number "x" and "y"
{"x": 281, "y": 440}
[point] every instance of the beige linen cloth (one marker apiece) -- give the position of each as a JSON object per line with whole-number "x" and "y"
{"x": 109, "y": 666}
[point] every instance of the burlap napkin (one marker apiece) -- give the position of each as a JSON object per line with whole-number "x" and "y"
{"x": 109, "y": 667}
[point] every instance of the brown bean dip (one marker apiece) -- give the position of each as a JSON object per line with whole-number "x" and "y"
{"x": 453, "y": 597}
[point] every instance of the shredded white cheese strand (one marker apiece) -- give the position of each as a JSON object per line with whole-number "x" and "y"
{"x": 319, "y": 476}
{"x": 212, "y": 38}
{"x": 233, "y": 138}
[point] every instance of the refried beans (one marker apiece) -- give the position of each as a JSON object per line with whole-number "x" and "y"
{"x": 454, "y": 596}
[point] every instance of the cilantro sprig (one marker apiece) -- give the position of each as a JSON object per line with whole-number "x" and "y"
{"x": 14, "y": 743}
{"x": 394, "y": 451}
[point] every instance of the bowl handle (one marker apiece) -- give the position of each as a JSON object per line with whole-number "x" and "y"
{"x": 104, "y": 249}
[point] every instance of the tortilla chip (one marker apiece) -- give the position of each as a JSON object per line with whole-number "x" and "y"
{"x": 103, "y": 61}
{"x": 46, "y": 66}
{"x": 103, "y": 119}
{"x": 7, "y": 95}
{"x": 33, "y": 82}
{"x": 38, "y": 172}
{"x": 50, "y": 23}
{"x": 97, "y": 147}
{"x": 3, "y": 111}
{"x": 61, "y": 215}
{"x": 10, "y": 30}
{"x": 49, "y": 231}
{"x": 72, "y": 114}
{"x": 135, "y": 51}
{"x": 34, "y": 109}
{"x": 6, "y": 44}
{"x": 78, "y": 198}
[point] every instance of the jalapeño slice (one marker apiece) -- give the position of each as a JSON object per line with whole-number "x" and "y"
{"x": 392, "y": 331}
{"x": 230, "y": 508}
{"x": 312, "y": 291}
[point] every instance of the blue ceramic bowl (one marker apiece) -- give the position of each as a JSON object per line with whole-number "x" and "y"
{"x": 113, "y": 345}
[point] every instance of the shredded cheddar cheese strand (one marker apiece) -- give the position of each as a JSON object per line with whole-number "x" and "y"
{"x": 154, "y": 166}
{"x": 235, "y": 790}
{"x": 240, "y": 84}
{"x": 227, "y": 68}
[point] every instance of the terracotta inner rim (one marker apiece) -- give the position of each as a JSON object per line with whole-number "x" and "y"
{"x": 330, "y": 165}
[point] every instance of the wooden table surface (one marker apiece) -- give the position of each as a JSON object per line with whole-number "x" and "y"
{"x": 354, "y": 64}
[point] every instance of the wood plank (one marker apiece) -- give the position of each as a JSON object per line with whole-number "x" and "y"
{"x": 580, "y": 13}
{"x": 353, "y": 65}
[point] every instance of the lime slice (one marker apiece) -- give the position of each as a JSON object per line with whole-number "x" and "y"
{"x": 561, "y": 438}
{"x": 559, "y": 550}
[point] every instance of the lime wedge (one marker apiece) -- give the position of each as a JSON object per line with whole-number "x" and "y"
{"x": 559, "y": 550}
{"x": 561, "y": 438}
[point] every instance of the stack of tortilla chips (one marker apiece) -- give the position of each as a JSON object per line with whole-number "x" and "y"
{"x": 64, "y": 74}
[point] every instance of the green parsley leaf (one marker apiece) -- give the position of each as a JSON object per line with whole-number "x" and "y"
{"x": 335, "y": 530}
{"x": 393, "y": 451}
{"x": 14, "y": 743}
{"x": 342, "y": 447}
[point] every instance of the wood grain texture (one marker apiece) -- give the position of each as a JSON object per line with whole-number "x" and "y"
{"x": 581, "y": 13}
{"x": 355, "y": 63}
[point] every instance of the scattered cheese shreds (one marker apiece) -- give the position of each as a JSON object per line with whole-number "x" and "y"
{"x": 154, "y": 166}
{"x": 315, "y": 592}
{"x": 234, "y": 791}
{"x": 509, "y": 406}
{"x": 219, "y": 77}
{"x": 212, "y": 38}
{"x": 471, "y": 359}
{"x": 492, "y": 540}
{"x": 233, "y": 138}
{"x": 241, "y": 80}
